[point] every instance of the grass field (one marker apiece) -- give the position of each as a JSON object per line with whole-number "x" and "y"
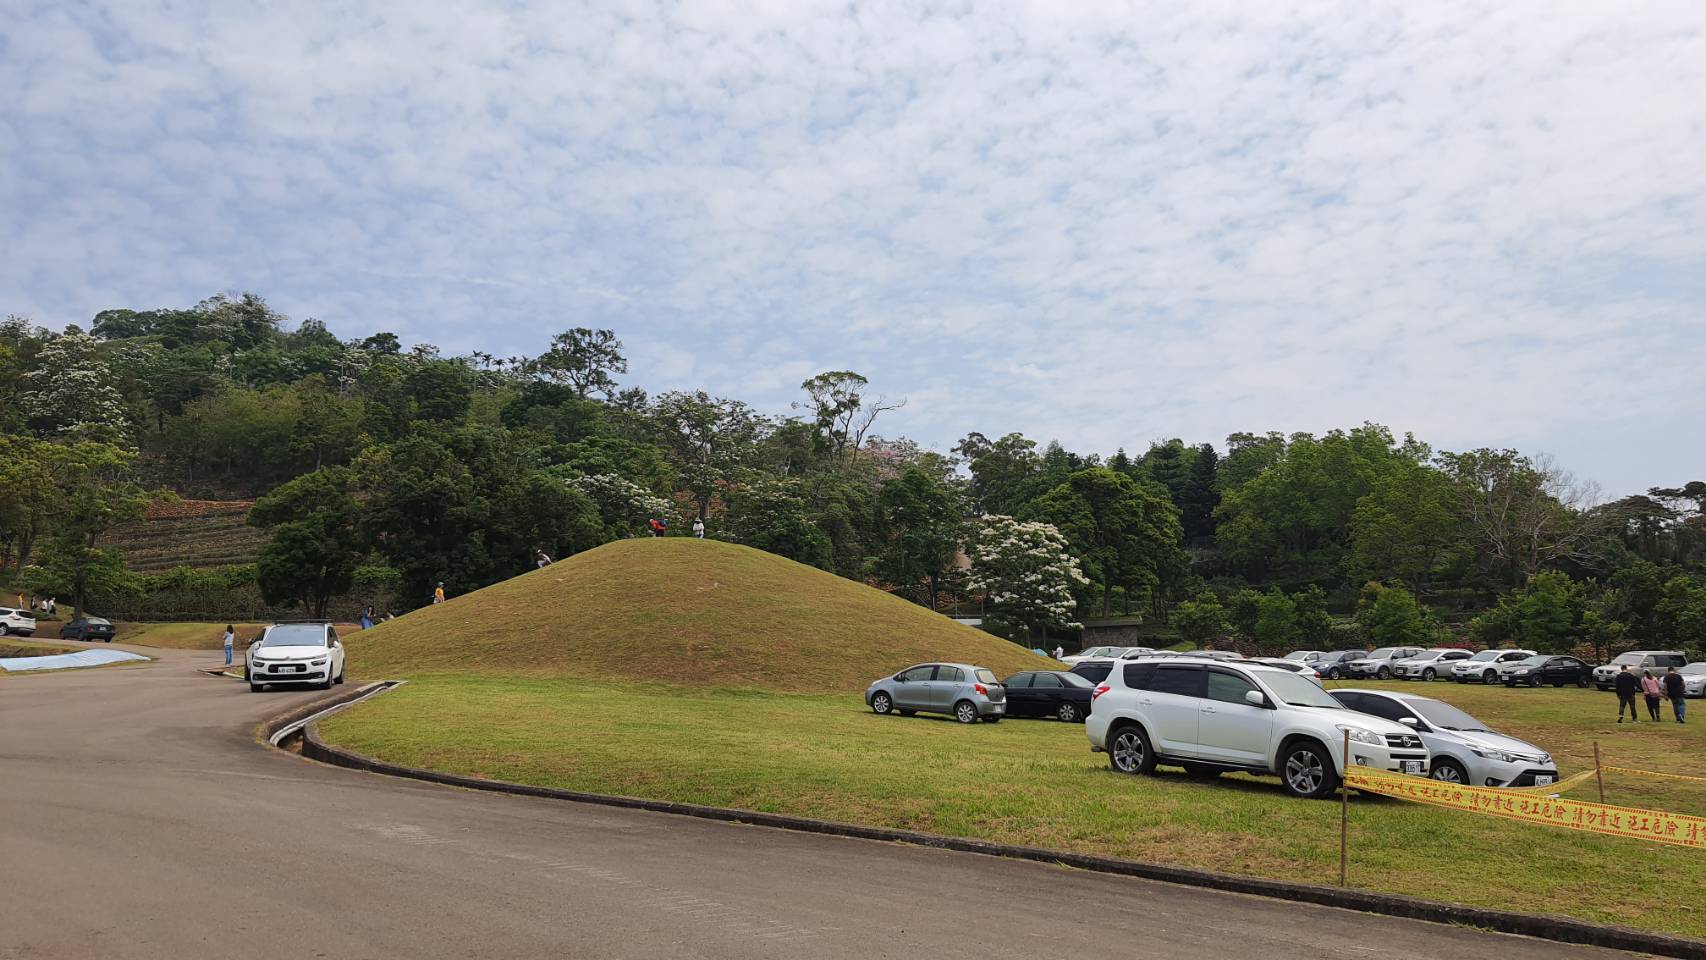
{"x": 1036, "y": 783}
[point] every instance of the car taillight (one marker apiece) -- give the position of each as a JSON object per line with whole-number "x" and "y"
{"x": 1103, "y": 688}
{"x": 980, "y": 690}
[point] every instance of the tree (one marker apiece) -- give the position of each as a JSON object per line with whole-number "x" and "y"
{"x": 94, "y": 493}
{"x": 1681, "y": 612}
{"x": 771, "y": 514}
{"x": 1201, "y": 621}
{"x": 921, "y": 530}
{"x": 71, "y": 391}
{"x": 1545, "y": 614}
{"x": 1200, "y": 495}
{"x": 1314, "y": 624}
{"x": 623, "y": 506}
{"x": 1026, "y": 572}
{"x": 1390, "y": 615}
{"x": 1525, "y": 515}
{"x": 1276, "y": 631}
{"x": 1005, "y": 473}
{"x": 315, "y": 545}
{"x": 1125, "y": 533}
{"x": 841, "y": 411}
{"x": 582, "y": 358}
{"x": 1404, "y": 525}
{"x": 30, "y": 492}
{"x": 708, "y": 436}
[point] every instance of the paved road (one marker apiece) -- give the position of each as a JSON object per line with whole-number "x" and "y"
{"x": 142, "y": 819}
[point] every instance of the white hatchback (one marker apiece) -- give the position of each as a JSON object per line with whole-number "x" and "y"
{"x": 296, "y": 653}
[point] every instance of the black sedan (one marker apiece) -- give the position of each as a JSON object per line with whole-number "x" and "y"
{"x": 87, "y": 628}
{"x": 1545, "y": 668}
{"x": 1049, "y": 693}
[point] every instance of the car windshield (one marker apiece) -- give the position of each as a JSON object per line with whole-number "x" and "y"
{"x": 1445, "y": 716}
{"x": 1295, "y": 690}
{"x": 1298, "y": 655}
{"x": 1382, "y": 653}
{"x": 1074, "y": 680}
{"x": 984, "y": 676}
{"x": 1629, "y": 658}
{"x": 1533, "y": 661}
{"x": 295, "y": 635}
{"x": 1483, "y": 656}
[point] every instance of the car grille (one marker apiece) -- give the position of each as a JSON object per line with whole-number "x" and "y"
{"x": 1404, "y": 741}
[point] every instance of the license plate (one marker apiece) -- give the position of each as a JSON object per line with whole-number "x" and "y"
{"x": 1000, "y": 708}
{"x": 1543, "y": 781}
{"x": 1411, "y": 766}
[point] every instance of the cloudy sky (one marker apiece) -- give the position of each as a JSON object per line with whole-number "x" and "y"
{"x": 1481, "y": 222}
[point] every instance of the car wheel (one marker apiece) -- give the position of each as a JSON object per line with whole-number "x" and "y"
{"x": 992, "y": 718}
{"x": 1428, "y": 674}
{"x": 1582, "y": 682}
{"x": 965, "y": 711}
{"x": 1130, "y": 752}
{"x": 1384, "y": 673}
{"x": 1308, "y": 771}
{"x": 1068, "y": 713}
{"x": 340, "y": 676}
{"x": 1557, "y": 683}
{"x": 1447, "y": 770}
{"x": 327, "y": 683}
{"x": 256, "y": 687}
{"x": 1490, "y": 677}
{"x": 881, "y": 704}
{"x": 1197, "y": 771}
{"x": 1332, "y": 673}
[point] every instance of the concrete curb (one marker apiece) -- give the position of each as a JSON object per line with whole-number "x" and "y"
{"x": 1560, "y": 929}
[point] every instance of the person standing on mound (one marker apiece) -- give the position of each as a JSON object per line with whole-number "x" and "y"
{"x": 698, "y": 528}
{"x": 438, "y": 593}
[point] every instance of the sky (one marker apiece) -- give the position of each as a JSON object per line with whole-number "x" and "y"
{"x": 1104, "y": 223}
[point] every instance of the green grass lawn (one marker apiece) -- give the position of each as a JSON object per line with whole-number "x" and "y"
{"x": 1036, "y": 783}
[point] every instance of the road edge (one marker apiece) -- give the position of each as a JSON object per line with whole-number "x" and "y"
{"x": 1540, "y": 926}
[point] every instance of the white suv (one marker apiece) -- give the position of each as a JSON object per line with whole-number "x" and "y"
{"x": 296, "y": 653}
{"x": 1215, "y": 717}
{"x": 23, "y": 622}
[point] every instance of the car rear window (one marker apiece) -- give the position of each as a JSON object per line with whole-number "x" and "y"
{"x": 1094, "y": 672}
{"x": 984, "y": 676}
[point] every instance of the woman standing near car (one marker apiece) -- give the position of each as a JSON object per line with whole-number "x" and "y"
{"x": 1650, "y": 687}
{"x": 230, "y": 642}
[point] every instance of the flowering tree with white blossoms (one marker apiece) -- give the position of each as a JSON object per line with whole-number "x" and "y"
{"x": 624, "y": 505}
{"x": 1026, "y": 573}
{"x": 71, "y": 390}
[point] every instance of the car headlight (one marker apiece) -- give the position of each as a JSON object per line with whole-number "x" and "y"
{"x": 1499, "y": 755}
{"x": 1523, "y": 672}
{"x": 317, "y": 663}
{"x": 1361, "y": 735}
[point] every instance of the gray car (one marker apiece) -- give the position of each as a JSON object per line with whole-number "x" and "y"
{"x": 1378, "y": 664}
{"x": 961, "y": 690}
{"x": 1460, "y": 748}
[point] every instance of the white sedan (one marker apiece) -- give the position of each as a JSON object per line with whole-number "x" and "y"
{"x": 1694, "y": 679}
{"x": 296, "y": 653}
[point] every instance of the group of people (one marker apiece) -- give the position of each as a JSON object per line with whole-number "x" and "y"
{"x": 658, "y": 526}
{"x": 1670, "y": 686}
{"x": 47, "y": 605}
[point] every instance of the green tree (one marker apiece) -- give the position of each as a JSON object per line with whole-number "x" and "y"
{"x": 95, "y": 492}
{"x": 1404, "y": 524}
{"x": 1126, "y": 534}
{"x": 1005, "y": 474}
{"x": 1276, "y": 631}
{"x": 772, "y": 515}
{"x": 315, "y": 545}
{"x": 922, "y": 529}
{"x": 1390, "y": 616}
{"x": 841, "y": 411}
{"x": 1025, "y": 572}
{"x": 582, "y": 358}
{"x": 1545, "y": 614}
{"x": 1314, "y": 624}
{"x": 1201, "y": 621}
{"x": 709, "y": 438}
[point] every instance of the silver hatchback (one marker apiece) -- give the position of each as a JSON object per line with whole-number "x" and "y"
{"x": 961, "y": 690}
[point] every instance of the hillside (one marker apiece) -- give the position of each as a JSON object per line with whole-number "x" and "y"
{"x": 679, "y": 611}
{"x": 194, "y": 533}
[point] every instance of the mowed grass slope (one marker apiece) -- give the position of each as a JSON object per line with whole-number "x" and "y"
{"x": 678, "y": 610}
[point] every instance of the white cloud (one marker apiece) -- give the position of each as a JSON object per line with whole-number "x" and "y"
{"x": 1111, "y": 223}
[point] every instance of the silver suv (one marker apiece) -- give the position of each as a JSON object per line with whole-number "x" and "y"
{"x": 1429, "y": 664}
{"x": 960, "y": 690}
{"x": 1378, "y": 663}
{"x": 1484, "y": 666}
{"x": 1216, "y": 717}
{"x": 1605, "y": 675}
{"x": 23, "y": 622}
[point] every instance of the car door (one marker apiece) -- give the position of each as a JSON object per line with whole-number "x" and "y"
{"x": 335, "y": 653}
{"x": 1046, "y": 694}
{"x": 1020, "y": 695}
{"x": 1229, "y": 728}
{"x": 1173, "y": 704}
{"x": 912, "y": 687}
{"x": 945, "y": 688}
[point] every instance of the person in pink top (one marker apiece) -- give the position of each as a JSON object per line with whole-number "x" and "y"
{"x": 1650, "y": 687}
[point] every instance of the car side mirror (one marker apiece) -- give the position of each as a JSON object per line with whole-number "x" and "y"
{"x": 1410, "y": 722}
{"x": 1255, "y": 698}
{"x": 899, "y": 678}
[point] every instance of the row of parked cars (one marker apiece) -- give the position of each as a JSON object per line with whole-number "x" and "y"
{"x": 1509, "y": 667}
{"x": 22, "y": 623}
{"x": 1217, "y": 714}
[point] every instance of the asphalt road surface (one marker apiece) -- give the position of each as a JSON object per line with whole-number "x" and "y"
{"x": 140, "y": 817}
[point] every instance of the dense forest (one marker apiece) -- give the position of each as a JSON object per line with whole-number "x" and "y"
{"x": 378, "y": 470}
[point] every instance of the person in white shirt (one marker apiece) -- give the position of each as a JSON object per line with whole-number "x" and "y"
{"x": 699, "y": 528}
{"x": 1059, "y": 651}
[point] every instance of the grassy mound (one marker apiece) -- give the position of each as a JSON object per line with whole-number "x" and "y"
{"x": 678, "y": 610}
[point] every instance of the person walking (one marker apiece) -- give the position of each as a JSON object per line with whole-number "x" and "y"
{"x": 1676, "y": 691}
{"x": 230, "y": 642}
{"x": 438, "y": 593}
{"x": 1650, "y": 687}
{"x": 543, "y": 560}
{"x": 367, "y": 618}
{"x": 1627, "y": 686}
{"x": 698, "y": 528}
{"x": 1059, "y": 651}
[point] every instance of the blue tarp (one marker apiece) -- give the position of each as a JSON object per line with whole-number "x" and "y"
{"x": 62, "y": 661}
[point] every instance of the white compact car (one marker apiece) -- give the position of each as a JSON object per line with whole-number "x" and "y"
{"x": 1216, "y": 717}
{"x": 1093, "y": 653}
{"x": 1694, "y": 679}
{"x": 1460, "y": 747}
{"x": 20, "y": 622}
{"x": 296, "y": 653}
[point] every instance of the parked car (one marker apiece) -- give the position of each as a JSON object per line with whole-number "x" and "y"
{"x": 1132, "y": 653}
{"x": 88, "y": 628}
{"x": 1091, "y": 654}
{"x": 961, "y": 690}
{"x": 1216, "y": 717}
{"x": 1305, "y": 656}
{"x": 1048, "y": 693}
{"x": 1335, "y": 664}
{"x": 1637, "y": 660}
{"x": 1460, "y": 748}
{"x": 1378, "y": 663}
{"x": 1542, "y": 668}
{"x": 1694, "y": 679}
{"x": 1484, "y": 666}
{"x": 1290, "y": 666}
{"x": 1093, "y": 670}
{"x": 20, "y": 622}
{"x": 1429, "y": 664}
{"x": 302, "y": 652}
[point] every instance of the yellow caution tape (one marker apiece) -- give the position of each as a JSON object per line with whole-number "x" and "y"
{"x": 1653, "y": 773}
{"x": 1655, "y": 825}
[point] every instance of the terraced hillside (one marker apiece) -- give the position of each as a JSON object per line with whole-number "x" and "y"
{"x": 194, "y": 533}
